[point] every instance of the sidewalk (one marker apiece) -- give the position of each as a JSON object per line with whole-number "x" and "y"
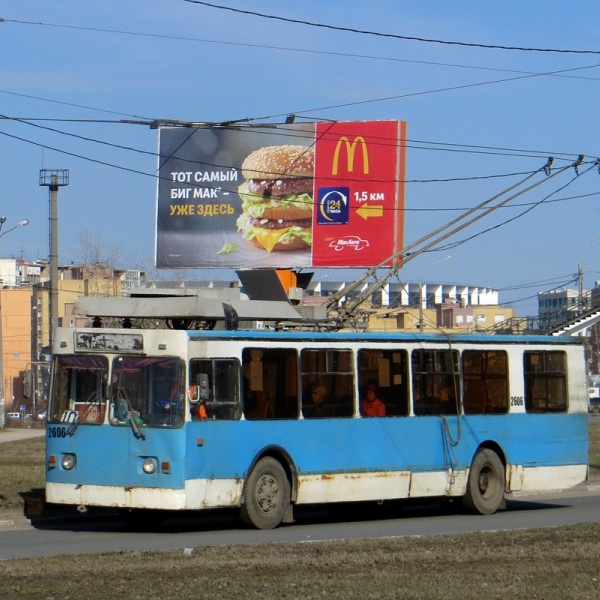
{"x": 20, "y": 433}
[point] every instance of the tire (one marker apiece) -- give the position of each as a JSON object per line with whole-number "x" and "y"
{"x": 485, "y": 486}
{"x": 266, "y": 495}
{"x": 596, "y": 409}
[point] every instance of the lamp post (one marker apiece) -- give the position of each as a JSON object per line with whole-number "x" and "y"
{"x": 580, "y": 272}
{"x": 437, "y": 262}
{"x": 22, "y": 223}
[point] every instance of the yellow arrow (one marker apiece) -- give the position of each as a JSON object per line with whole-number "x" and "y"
{"x": 366, "y": 211}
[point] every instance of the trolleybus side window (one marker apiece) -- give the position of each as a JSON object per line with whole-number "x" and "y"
{"x": 485, "y": 381}
{"x": 79, "y": 389}
{"x": 151, "y": 389}
{"x": 388, "y": 371}
{"x": 327, "y": 383}
{"x": 545, "y": 381}
{"x": 270, "y": 383}
{"x": 435, "y": 382}
{"x": 215, "y": 389}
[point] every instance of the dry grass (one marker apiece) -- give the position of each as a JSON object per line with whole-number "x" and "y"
{"x": 21, "y": 470}
{"x": 551, "y": 563}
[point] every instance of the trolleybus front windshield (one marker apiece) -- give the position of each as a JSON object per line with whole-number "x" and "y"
{"x": 152, "y": 389}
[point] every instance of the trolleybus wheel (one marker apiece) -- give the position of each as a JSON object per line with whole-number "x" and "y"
{"x": 267, "y": 495}
{"x": 485, "y": 486}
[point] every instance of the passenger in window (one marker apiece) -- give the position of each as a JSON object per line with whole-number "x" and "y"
{"x": 316, "y": 402}
{"x": 422, "y": 405}
{"x": 446, "y": 403}
{"x": 372, "y": 405}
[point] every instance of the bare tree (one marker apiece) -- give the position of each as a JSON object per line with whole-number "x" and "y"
{"x": 93, "y": 250}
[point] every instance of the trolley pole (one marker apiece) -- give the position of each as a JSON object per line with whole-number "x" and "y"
{"x": 53, "y": 179}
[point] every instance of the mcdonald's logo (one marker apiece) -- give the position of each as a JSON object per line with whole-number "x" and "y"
{"x": 350, "y": 151}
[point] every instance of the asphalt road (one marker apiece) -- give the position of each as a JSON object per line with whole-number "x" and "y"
{"x": 79, "y": 535}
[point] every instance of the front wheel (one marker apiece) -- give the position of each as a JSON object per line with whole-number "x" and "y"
{"x": 267, "y": 495}
{"x": 485, "y": 486}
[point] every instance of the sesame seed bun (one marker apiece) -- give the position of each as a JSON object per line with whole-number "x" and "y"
{"x": 277, "y": 162}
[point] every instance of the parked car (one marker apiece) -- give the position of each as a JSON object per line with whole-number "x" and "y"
{"x": 13, "y": 415}
{"x": 594, "y": 405}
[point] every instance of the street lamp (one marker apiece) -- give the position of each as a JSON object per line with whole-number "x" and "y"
{"x": 19, "y": 224}
{"x": 22, "y": 223}
{"x": 421, "y": 286}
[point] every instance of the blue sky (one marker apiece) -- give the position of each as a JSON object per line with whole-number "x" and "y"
{"x": 69, "y": 68}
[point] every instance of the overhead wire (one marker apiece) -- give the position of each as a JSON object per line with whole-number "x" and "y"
{"x": 507, "y": 221}
{"x": 536, "y": 295}
{"x": 413, "y": 94}
{"x": 304, "y": 22}
{"x": 154, "y": 175}
{"x": 272, "y": 47}
{"x": 434, "y": 238}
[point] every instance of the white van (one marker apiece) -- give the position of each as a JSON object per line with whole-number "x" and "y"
{"x": 13, "y": 415}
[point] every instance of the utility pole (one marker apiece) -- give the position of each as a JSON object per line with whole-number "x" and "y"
{"x": 53, "y": 179}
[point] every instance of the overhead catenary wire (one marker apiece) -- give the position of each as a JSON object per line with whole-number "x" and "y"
{"x": 304, "y": 22}
{"x": 289, "y": 133}
{"x": 411, "y": 94}
{"x": 436, "y": 237}
{"x": 528, "y": 209}
{"x": 270, "y": 47}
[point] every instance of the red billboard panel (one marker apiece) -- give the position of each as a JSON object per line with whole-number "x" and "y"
{"x": 283, "y": 196}
{"x": 358, "y": 201}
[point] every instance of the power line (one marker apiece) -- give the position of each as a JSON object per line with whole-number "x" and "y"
{"x": 559, "y": 280}
{"x": 153, "y": 154}
{"x": 278, "y": 48}
{"x": 413, "y": 94}
{"x": 289, "y": 132}
{"x": 71, "y": 104}
{"x": 507, "y": 221}
{"x": 388, "y": 35}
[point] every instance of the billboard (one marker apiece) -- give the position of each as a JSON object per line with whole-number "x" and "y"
{"x": 280, "y": 196}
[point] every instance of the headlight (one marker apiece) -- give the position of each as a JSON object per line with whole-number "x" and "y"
{"x": 68, "y": 462}
{"x": 149, "y": 466}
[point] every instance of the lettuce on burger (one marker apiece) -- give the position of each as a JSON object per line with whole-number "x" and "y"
{"x": 277, "y": 198}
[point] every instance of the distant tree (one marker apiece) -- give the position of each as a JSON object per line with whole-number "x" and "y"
{"x": 93, "y": 250}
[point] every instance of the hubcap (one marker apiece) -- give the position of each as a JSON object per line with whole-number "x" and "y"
{"x": 267, "y": 494}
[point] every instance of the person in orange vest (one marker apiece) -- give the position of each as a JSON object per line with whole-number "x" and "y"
{"x": 372, "y": 405}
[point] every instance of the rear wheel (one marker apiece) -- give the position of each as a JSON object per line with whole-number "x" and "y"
{"x": 485, "y": 486}
{"x": 267, "y": 495}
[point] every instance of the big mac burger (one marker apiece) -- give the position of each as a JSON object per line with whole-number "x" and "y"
{"x": 277, "y": 198}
